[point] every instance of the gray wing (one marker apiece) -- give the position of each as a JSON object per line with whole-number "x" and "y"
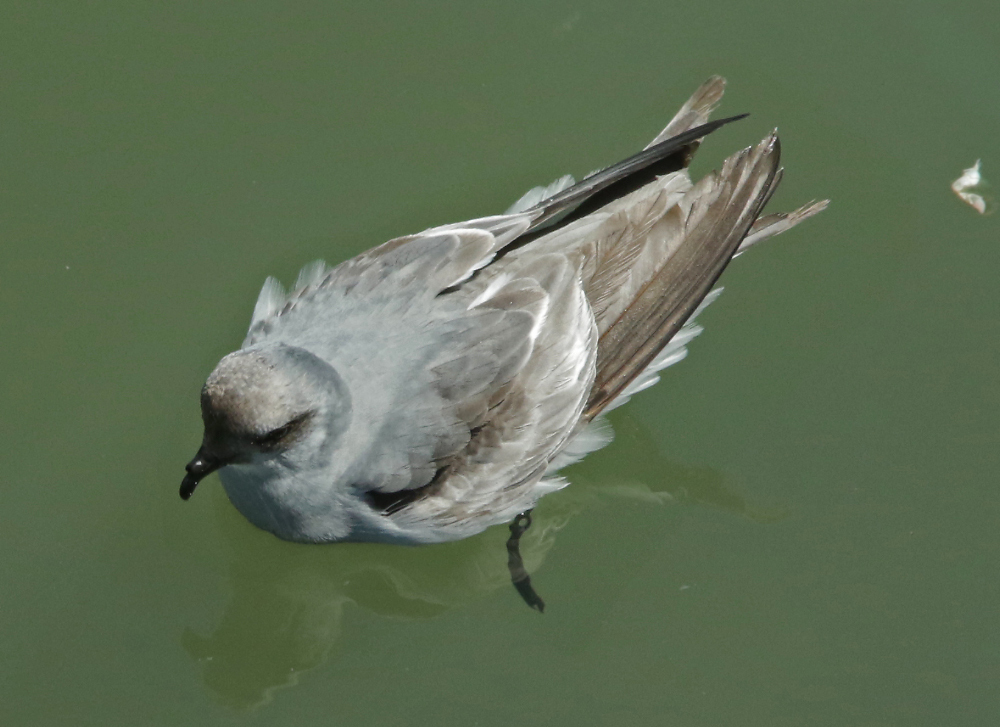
{"x": 649, "y": 258}
{"x": 610, "y": 295}
{"x": 722, "y": 208}
{"x": 520, "y": 421}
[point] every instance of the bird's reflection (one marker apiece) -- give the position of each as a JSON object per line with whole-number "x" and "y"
{"x": 288, "y": 601}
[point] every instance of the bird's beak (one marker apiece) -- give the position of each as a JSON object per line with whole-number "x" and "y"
{"x": 200, "y": 467}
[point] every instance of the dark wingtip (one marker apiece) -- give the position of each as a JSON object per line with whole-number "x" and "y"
{"x": 610, "y": 183}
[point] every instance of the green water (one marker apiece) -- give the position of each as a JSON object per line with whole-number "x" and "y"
{"x": 798, "y": 526}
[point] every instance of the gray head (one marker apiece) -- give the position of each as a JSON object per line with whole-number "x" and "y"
{"x": 262, "y": 403}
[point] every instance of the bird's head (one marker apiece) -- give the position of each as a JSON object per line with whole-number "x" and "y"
{"x": 268, "y": 402}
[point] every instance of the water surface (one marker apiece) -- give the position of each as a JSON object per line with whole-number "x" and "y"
{"x": 797, "y": 526}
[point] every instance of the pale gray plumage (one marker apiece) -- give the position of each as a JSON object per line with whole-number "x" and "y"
{"x": 433, "y": 386}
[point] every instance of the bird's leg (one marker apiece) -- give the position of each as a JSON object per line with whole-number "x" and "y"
{"x": 518, "y": 575}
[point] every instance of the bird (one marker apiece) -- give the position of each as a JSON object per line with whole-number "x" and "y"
{"x": 436, "y": 385}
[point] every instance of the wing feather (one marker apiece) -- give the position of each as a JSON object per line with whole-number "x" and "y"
{"x": 519, "y": 424}
{"x": 722, "y": 207}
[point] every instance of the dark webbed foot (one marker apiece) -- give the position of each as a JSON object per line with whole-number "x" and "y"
{"x": 518, "y": 575}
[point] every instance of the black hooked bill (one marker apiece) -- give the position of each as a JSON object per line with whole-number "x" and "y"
{"x": 200, "y": 467}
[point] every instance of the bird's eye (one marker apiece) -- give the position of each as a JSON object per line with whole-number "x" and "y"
{"x": 276, "y": 436}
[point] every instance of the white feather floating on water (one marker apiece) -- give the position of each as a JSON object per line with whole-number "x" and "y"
{"x": 969, "y": 188}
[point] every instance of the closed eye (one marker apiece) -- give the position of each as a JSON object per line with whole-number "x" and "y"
{"x": 277, "y": 436}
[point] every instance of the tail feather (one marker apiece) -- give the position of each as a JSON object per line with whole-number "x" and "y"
{"x": 777, "y": 223}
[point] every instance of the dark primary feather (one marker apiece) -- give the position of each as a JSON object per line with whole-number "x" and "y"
{"x": 671, "y": 295}
{"x": 618, "y": 180}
